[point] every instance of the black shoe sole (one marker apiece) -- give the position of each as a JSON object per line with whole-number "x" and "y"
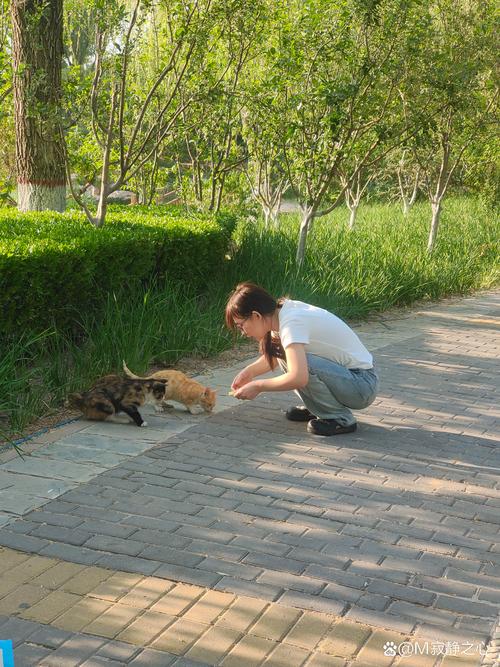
{"x": 327, "y": 432}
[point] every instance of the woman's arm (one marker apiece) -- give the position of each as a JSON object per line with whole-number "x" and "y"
{"x": 296, "y": 377}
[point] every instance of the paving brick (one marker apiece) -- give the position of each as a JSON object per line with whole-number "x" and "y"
{"x": 190, "y": 575}
{"x": 312, "y": 602}
{"x": 85, "y": 581}
{"x": 11, "y": 558}
{"x": 380, "y": 619}
{"x": 309, "y": 630}
{"x": 146, "y": 627}
{"x": 97, "y": 661}
{"x": 96, "y": 527}
{"x": 57, "y": 575}
{"x": 22, "y": 542}
{"x": 275, "y": 622}
{"x": 50, "y": 606}
{"x": 129, "y": 563}
{"x": 239, "y": 570}
{"x": 71, "y": 553}
{"x": 373, "y": 652}
{"x": 28, "y": 654}
{"x": 345, "y": 639}
{"x": 422, "y": 613}
{"x": 28, "y": 569}
{"x": 179, "y": 636}
{"x": 250, "y": 588}
{"x": 324, "y": 660}
{"x": 116, "y": 586}
{"x": 119, "y": 651}
{"x": 285, "y": 655}
{"x": 466, "y": 606}
{"x": 73, "y": 652}
{"x": 164, "y": 537}
{"x": 18, "y": 630}
{"x": 115, "y": 545}
{"x": 81, "y": 614}
{"x": 214, "y": 644}
{"x": 178, "y": 599}
{"x": 146, "y": 592}
{"x": 73, "y": 536}
{"x": 49, "y": 637}
{"x": 211, "y": 605}
{"x": 286, "y": 580}
{"x": 398, "y": 592}
{"x": 248, "y": 652}
{"x": 23, "y": 597}
{"x": 151, "y": 658}
{"x": 223, "y": 551}
{"x": 275, "y": 563}
{"x": 168, "y": 555}
{"x": 112, "y": 621}
{"x": 242, "y": 613}
{"x": 254, "y": 509}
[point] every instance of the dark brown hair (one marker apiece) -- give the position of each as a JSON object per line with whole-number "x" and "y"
{"x": 247, "y": 298}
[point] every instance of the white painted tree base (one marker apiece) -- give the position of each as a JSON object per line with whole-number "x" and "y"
{"x": 32, "y": 197}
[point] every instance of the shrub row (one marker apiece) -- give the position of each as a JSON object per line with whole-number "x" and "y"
{"x": 54, "y": 267}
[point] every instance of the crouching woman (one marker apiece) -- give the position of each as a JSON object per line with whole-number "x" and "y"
{"x": 322, "y": 359}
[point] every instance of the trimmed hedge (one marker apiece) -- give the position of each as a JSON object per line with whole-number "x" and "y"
{"x": 54, "y": 267}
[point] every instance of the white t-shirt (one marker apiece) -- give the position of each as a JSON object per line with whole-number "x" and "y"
{"x": 322, "y": 333}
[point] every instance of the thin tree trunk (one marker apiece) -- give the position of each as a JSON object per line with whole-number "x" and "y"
{"x": 37, "y": 47}
{"x": 305, "y": 226}
{"x": 219, "y": 193}
{"x": 353, "y": 208}
{"x": 103, "y": 195}
{"x": 436, "y": 214}
{"x": 442, "y": 183}
{"x": 267, "y": 216}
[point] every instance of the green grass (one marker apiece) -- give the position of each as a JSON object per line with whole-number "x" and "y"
{"x": 381, "y": 263}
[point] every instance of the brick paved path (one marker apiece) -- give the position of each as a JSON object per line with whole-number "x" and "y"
{"x": 240, "y": 539}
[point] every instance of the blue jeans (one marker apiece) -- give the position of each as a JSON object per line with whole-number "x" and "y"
{"x": 333, "y": 390}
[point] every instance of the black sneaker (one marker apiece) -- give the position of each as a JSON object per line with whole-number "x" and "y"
{"x": 299, "y": 414}
{"x": 329, "y": 427}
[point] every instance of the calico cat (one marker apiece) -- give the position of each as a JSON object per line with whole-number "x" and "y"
{"x": 112, "y": 394}
{"x": 182, "y": 389}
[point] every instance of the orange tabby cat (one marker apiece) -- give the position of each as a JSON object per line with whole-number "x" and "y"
{"x": 182, "y": 389}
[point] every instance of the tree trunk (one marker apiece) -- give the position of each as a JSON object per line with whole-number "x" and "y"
{"x": 304, "y": 230}
{"x": 267, "y": 216}
{"x": 353, "y": 208}
{"x": 102, "y": 205}
{"x": 219, "y": 194}
{"x": 37, "y": 47}
{"x": 436, "y": 214}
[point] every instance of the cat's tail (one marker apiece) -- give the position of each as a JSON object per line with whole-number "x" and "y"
{"x": 129, "y": 373}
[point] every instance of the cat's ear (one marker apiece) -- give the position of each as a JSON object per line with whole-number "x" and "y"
{"x": 208, "y": 392}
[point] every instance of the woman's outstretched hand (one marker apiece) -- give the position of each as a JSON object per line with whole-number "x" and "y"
{"x": 241, "y": 379}
{"x": 247, "y": 391}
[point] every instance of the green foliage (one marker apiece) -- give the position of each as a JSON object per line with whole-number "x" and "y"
{"x": 56, "y": 267}
{"x": 381, "y": 263}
